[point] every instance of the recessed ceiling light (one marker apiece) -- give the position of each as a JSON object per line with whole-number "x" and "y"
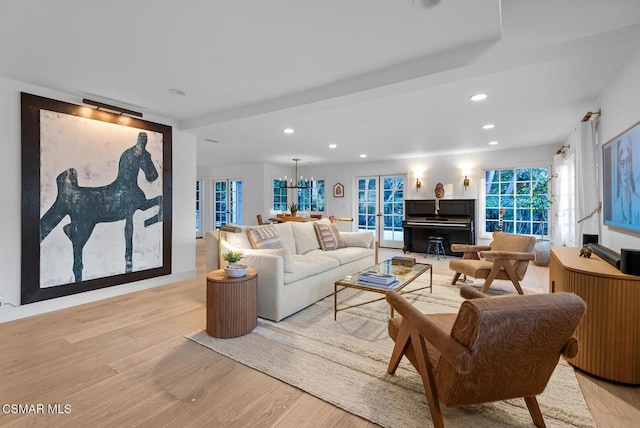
{"x": 488, "y": 126}
{"x": 333, "y": 146}
{"x": 478, "y": 97}
{"x": 363, "y": 156}
{"x": 288, "y": 131}
{"x": 174, "y": 91}
{"x": 493, "y": 143}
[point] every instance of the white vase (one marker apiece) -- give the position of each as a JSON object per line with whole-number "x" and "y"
{"x": 235, "y": 270}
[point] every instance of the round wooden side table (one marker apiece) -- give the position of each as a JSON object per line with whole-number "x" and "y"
{"x": 232, "y": 303}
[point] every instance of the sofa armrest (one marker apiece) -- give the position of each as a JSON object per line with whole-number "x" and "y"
{"x": 211, "y": 249}
{"x": 467, "y": 248}
{"x": 270, "y": 269}
{"x": 507, "y": 255}
{"x": 469, "y": 292}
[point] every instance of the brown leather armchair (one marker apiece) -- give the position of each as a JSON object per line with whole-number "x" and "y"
{"x": 494, "y": 348}
{"x": 507, "y": 257}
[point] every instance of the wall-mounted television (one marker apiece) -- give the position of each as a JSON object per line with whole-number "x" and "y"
{"x": 621, "y": 180}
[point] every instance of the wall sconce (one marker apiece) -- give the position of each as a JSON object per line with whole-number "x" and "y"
{"x": 225, "y": 228}
{"x": 418, "y": 184}
{"x": 465, "y": 182}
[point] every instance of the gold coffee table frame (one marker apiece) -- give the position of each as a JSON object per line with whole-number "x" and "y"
{"x": 404, "y": 274}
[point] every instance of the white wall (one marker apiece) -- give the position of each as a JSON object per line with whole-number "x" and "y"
{"x": 620, "y": 103}
{"x": 253, "y": 183}
{"x": 183, "y": 175}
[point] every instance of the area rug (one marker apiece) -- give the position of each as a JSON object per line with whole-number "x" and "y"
{"x": 344, "y": 362}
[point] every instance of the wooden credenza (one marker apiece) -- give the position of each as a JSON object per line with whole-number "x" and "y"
{"x": 609, "y": 334}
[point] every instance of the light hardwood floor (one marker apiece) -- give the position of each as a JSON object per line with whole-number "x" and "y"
{"x": 124, "y": 361}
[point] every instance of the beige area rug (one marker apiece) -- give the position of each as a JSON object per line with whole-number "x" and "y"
{"x": 344, "y": 362}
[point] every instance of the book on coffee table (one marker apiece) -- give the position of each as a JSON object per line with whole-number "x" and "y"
{"x": 377, "y": 277}
{"x": 377, "y": 285}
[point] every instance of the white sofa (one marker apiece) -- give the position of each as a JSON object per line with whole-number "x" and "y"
{"x": 299, "y": 274}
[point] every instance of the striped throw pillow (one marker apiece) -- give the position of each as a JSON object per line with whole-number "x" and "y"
{"x": 329, "y": 236}
{"x": 264, "y": 237}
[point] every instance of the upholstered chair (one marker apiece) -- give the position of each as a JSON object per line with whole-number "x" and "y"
{"x": 507, "y": 257}
{"x": 494, "y": 348}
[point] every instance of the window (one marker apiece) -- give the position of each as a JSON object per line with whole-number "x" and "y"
{"x": 198, "y": 215}
{"x": 279, "y": 195}
{"x": 227, "y": 201}
{"x": 311, "y": 199}
{"x": 517, "y": 200}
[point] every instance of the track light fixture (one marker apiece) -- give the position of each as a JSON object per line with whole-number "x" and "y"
{"x": 113, "y": 109}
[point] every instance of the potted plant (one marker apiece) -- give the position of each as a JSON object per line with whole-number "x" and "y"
{"x": 293, "y": 207}
{"x": 234, "y": 269}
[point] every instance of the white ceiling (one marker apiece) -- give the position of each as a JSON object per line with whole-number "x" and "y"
{"x": 373, "y": 76}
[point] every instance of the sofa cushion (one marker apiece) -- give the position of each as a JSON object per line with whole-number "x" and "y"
{"x": 264, "y": 237}
{"x": 286, "y": 235}
{"x": 283, "y": 252}
{"x": 358, "y": 239}
{"x": 328, "y": 236}
{"x": 306, "y": 266}
{"x": 344, "y": 255}
{"x": 305, "y": 236}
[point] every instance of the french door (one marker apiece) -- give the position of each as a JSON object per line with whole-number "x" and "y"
{"x": 227, "y": 201}
{"x": 198, "y": 208}
{"x": 380, "y": 208}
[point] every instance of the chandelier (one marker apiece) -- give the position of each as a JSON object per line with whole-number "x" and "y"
{"x": 295, "y": 183}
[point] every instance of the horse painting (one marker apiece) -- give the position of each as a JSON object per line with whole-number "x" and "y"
{"x": 88, "y": 206}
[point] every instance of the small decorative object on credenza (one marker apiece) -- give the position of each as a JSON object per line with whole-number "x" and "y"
{"x": 403, "y": 261}
{"x": 585, "y": 252}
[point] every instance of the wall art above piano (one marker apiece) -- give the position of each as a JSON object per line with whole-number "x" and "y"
{"x": 455, "y": 222}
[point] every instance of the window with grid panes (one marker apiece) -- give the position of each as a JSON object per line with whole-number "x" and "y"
{"x": 510, "y": 192}
{"x": 279, "y": 195}
{"x": 311, "y": 199}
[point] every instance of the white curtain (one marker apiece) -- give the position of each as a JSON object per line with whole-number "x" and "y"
{"x": 564, "y": 197}
{"x": 588, "y": 159}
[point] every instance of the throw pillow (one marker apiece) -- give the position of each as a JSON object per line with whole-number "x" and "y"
{"x": 358, "y": 239}
{"x": 264, "y": 237}
{"x": 329, "y": 236}
{"x": 305, "y": 236}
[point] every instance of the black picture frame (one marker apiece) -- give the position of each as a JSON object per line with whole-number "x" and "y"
{"x": 338, "y": 190}
{"x": 620, "y": 158}
{"x": 33, "y": 108}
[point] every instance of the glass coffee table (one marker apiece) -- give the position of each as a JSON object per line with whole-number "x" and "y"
{"x": 404, "y": 276}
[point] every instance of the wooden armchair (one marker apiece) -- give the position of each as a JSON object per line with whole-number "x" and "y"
{"x": 494, "y": 348}
{"x": 507, "y": 257}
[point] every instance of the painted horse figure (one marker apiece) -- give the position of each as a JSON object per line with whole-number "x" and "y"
{"x": 87, "y": 206}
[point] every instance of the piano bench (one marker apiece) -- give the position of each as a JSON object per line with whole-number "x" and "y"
{"x": 436, "y": 247}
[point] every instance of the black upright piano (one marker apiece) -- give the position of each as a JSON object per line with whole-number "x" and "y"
{"x": 455, "y": 221}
